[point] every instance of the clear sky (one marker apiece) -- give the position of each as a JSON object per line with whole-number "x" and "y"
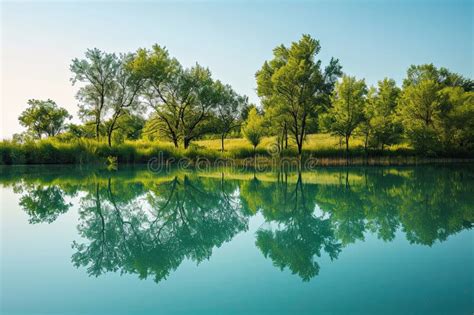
{"x": 372, "y": 39}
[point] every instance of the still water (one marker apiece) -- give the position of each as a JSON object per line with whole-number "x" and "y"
{"x": 330, "y": 241}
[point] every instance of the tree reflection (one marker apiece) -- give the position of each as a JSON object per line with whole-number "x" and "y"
{"x": 300, "y": 235}
{"x": 42, "y": 203}
{"x": 177, "y": 219}
{"x": 138, "y": 223}
{"x": 433, "y": 206}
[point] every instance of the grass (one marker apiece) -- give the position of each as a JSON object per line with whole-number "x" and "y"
{"x": 87, "y": 151}
{"x": 317, "y": 145}
{"x": 313, "y": 143}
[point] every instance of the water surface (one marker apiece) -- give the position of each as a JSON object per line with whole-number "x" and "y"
{"x": 331, "y": 241}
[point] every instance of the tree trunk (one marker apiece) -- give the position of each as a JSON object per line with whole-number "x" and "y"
{"x": 97, "y": 123}
{"x": 186, "y": 143}
{"x": 281, "y": 140}
{"x": 300, "y": 148}
{"x": 366, "y": 149}
{"x": 366, "y": 145}
{"x": 285, "y": 135}
{"x": 222, "y": 142}
{"x": 255, "y": 155}
{"x": 110, "y": 130}
{"x": 347, "y": 145}
{"x": 109, "y": 137}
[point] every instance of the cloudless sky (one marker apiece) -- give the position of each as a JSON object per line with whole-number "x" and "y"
{"x": 372, "y": 39}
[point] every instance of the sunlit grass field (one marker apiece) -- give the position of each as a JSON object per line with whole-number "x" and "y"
{"x": 84, "y": 151}
{"x": 313, "y": 143}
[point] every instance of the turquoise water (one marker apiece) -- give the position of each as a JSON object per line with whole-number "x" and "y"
{"x": 331, "y": 241}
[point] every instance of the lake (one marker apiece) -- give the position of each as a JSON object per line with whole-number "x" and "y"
{"x": 374, "y": 240}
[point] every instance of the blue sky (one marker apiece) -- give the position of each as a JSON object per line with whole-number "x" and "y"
{"x": 372, "y": 39}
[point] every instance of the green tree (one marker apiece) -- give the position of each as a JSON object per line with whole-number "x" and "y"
{"x": 189, "y": 218}
{"x": 43, "y": 203}
{"x": 97, "y": 72}
{"x": 161, "y": 73}
{"x": 198, "y": 102}
{"x": 182, "y": 99}
{"x": 253, "y": 128}
{"x": 295, "y": 84}
{"x": 228, "y": 109}
{"x": 244, "y": 113}
{"x": 124, "y": 96}
{"x": 300, "y": 236}
{"x": 129, "y": 124}
{"x": 442, "y": 76}
{"x": 81, "y": 131}
{"x": 381, "y": 116}
{"x": 278, "y": 124}
{"x": 44, "y": 118}
{"x": 365, "y": 128}
{"x": 455, "y": 121}
{"x": 347, "y": 112}
{"x": 436, "y": 109}
{"x": 418, "y": 107}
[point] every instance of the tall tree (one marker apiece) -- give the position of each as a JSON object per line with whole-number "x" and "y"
{"x": 196, "y": 101}
{"x": 365, "y": 128}
{"x": 129, "y": 125}
{"x": 181, "y": 98}
{"x": 294, "y": 82}
{"x": 253, "y": 128}
{"x": 124, "y": 95}
{"x": 97, "y": 73}
{"x": 380, "y": 113}
{"x": 44, "y": 118}
{"x": 419, "y": 104}
{"x": 455, "y": 119}
{"x": 436, "y": 109}
{"x": 347, "y": 112}
{"x": 228, "y": 109}
{"x": 161, "y": 74}
{"x": 441, "y": 76}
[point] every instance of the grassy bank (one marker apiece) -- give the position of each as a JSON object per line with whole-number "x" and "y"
{"x": 325, "y": 148}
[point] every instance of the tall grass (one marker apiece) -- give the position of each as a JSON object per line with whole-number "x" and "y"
{"x": 87, "y": 151}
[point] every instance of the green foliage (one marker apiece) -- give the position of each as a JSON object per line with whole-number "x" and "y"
{"x": 128, "y": 125}
{"x": 43, "y": 118}
{"x": 347, "y": 111}
{"x": 442, "y": 76}
{"x": 455, "y": 120}
{"x": 227, "y": 110}
{"x": 295, "y": 86}
{"x": 182, "y": 99}
{"x": 124, "y": 99}
{"x": 381, "y": 126}
{"x": 153, "y": 222}
{"x": 436, "y": 110}
{"x": 433, "y": 113}
{"x": 43, "y": 203}
{"x": 437, "y": 118}
{"x": 253, "y": 128}
{"x": 97, "y": 74}
{"x": 419, "y": 104}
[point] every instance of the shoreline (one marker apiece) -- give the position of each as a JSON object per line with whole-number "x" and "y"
{"x": 267, "y": 163}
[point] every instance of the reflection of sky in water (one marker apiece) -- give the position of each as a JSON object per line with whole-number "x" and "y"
{"x": 369, "y": 276}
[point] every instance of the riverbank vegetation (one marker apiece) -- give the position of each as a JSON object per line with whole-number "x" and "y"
{"x": 135, "y": 106}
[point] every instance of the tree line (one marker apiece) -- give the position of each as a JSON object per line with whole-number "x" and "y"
{"x": 149, "y": 94}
